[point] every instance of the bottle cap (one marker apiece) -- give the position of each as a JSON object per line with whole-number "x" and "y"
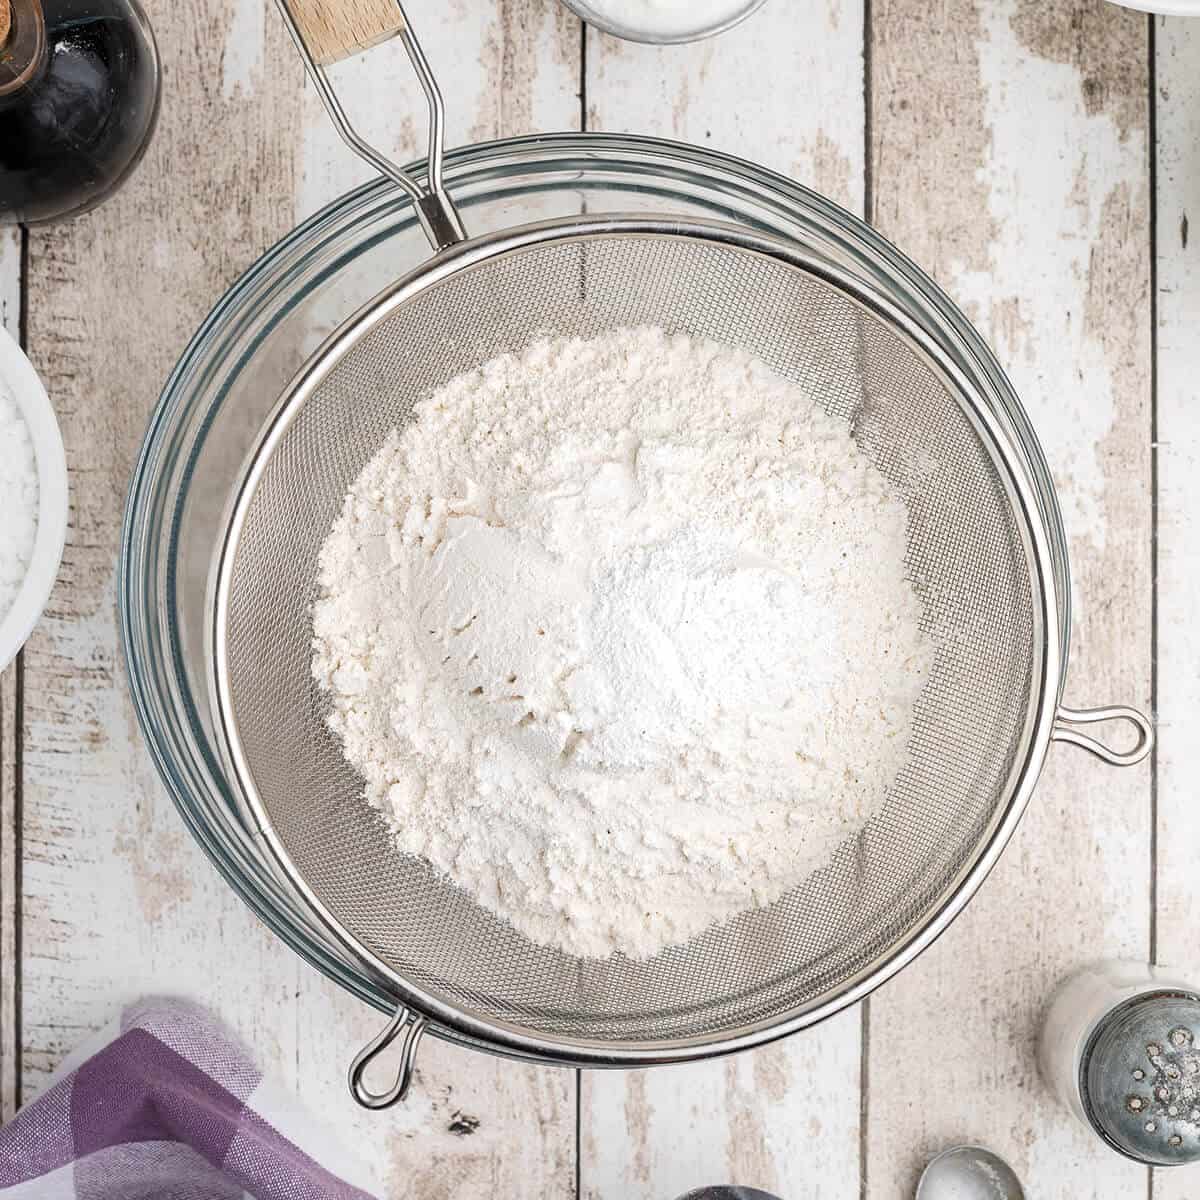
{"x": 1140, "y": 1078}
{"x": 23, "y": 42}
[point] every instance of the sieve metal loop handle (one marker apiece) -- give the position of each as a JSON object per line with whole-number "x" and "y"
{"x": 1067, "y": 718}
{"x": 327, "y": 30}
{"x": 412, "y": 1026}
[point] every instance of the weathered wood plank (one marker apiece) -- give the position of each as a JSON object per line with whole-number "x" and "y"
{"x": 788, "y": 1115}
{"x": 785, "y": 88}
{"x": 10, "y": 280}
{"x": 1010, "y": 158}
{"x": 1177, "y": 100}
{"x": 780, "y": 1118}
{"x": 10, "y": 847}
{"x": 504, "y": 70}
{"x": 474, "y": 1126}
{"x": 117, "y": 900}
{"x": 10, "y": 841}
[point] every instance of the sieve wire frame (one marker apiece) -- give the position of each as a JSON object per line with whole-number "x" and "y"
{"x": 454, "y": 1021}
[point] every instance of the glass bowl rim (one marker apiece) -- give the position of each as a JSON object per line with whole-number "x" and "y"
{"x": 712, "y": 171}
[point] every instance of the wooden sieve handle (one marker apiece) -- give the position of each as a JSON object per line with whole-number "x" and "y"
{"x": 336, "y": 29}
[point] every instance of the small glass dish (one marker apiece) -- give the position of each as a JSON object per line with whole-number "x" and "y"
{"x": 1165, "y": 8}
{"x": 704, "y": 19}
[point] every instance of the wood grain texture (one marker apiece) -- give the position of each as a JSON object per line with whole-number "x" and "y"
{"x": 10, "y": 848}
{"x": 117, "y": 901}
{"x": 10, "y": 841}
{"x": 785, "y": 89}
{"x": 472, "y": 1126}
{"x": 505, "y": 68}
{"x": 336, "y": 29}
{"x": 785, "y": 1116}
{"x": 1177, "y": 100}
{"x": 10, "y": 280}
{"x": 1010, "y": 158}
{"x": 780, "y": 1118}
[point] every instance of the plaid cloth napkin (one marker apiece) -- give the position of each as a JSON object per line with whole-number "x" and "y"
{"x": 166, "y": 1105}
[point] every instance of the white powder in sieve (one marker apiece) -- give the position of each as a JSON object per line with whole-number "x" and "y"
{"x": 18, "y": 500}
{"x": 619, "y": 635}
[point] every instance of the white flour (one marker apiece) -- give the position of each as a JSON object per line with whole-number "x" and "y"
{"x": 618, "y": 633}
{"x": 18, "y": 500}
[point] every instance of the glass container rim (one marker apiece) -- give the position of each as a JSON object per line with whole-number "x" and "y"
{"x": 269, "y": 276}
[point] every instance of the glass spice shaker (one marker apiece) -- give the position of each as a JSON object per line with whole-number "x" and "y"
{"x": 79, "y": 93}
{"x": 1120, "y": 1047}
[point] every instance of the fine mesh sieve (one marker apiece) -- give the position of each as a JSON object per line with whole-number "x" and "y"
{"x": 976, "y": 544}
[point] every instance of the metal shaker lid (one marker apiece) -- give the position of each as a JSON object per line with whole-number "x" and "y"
{"x": 1140, "y": 1078}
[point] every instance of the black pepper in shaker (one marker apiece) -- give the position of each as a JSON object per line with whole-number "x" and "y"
{"x": 79, "y": 93}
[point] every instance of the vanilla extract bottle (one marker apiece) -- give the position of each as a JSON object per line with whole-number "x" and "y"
{"x": 79, "y": 95}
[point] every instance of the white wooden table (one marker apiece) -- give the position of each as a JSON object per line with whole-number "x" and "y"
{"x": 1042, "y": 159}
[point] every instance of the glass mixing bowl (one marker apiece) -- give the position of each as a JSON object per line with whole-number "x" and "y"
{"x": 266, "y": 326}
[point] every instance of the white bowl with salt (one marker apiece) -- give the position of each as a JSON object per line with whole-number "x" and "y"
{"x": 663, "y": 22}
{"x": 33, "y": 498}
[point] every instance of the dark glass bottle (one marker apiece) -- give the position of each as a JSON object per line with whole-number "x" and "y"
{"x": 79, "y": 89}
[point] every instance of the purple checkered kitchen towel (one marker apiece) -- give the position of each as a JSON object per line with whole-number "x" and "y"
{"x": 168, "y": 1106}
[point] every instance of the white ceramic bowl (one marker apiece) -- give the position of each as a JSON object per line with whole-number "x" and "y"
{"x": 19, "y": 378}
{"x": 704, "y": 20}
{"x": 1168, "y": 8}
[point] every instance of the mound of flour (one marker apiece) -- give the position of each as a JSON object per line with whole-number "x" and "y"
{"x": 619, "y": 635}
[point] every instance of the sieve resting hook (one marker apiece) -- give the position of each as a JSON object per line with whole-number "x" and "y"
{"x": 1067, "y": 718}
{"x": 412, "y": 1026}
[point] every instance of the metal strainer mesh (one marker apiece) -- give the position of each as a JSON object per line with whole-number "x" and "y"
{"x": 966, "y": 545}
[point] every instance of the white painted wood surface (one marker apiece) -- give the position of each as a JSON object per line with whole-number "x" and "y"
{"x": 1177, "y": 106}
{"x": 1014, "y": 166}
{"x": 1005, "y": 144}
{"x": 10, "y": 314}
{"x": 10, "y": 281}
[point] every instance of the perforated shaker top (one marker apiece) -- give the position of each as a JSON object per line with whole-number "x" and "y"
{"x": 1140, "y": 1078}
